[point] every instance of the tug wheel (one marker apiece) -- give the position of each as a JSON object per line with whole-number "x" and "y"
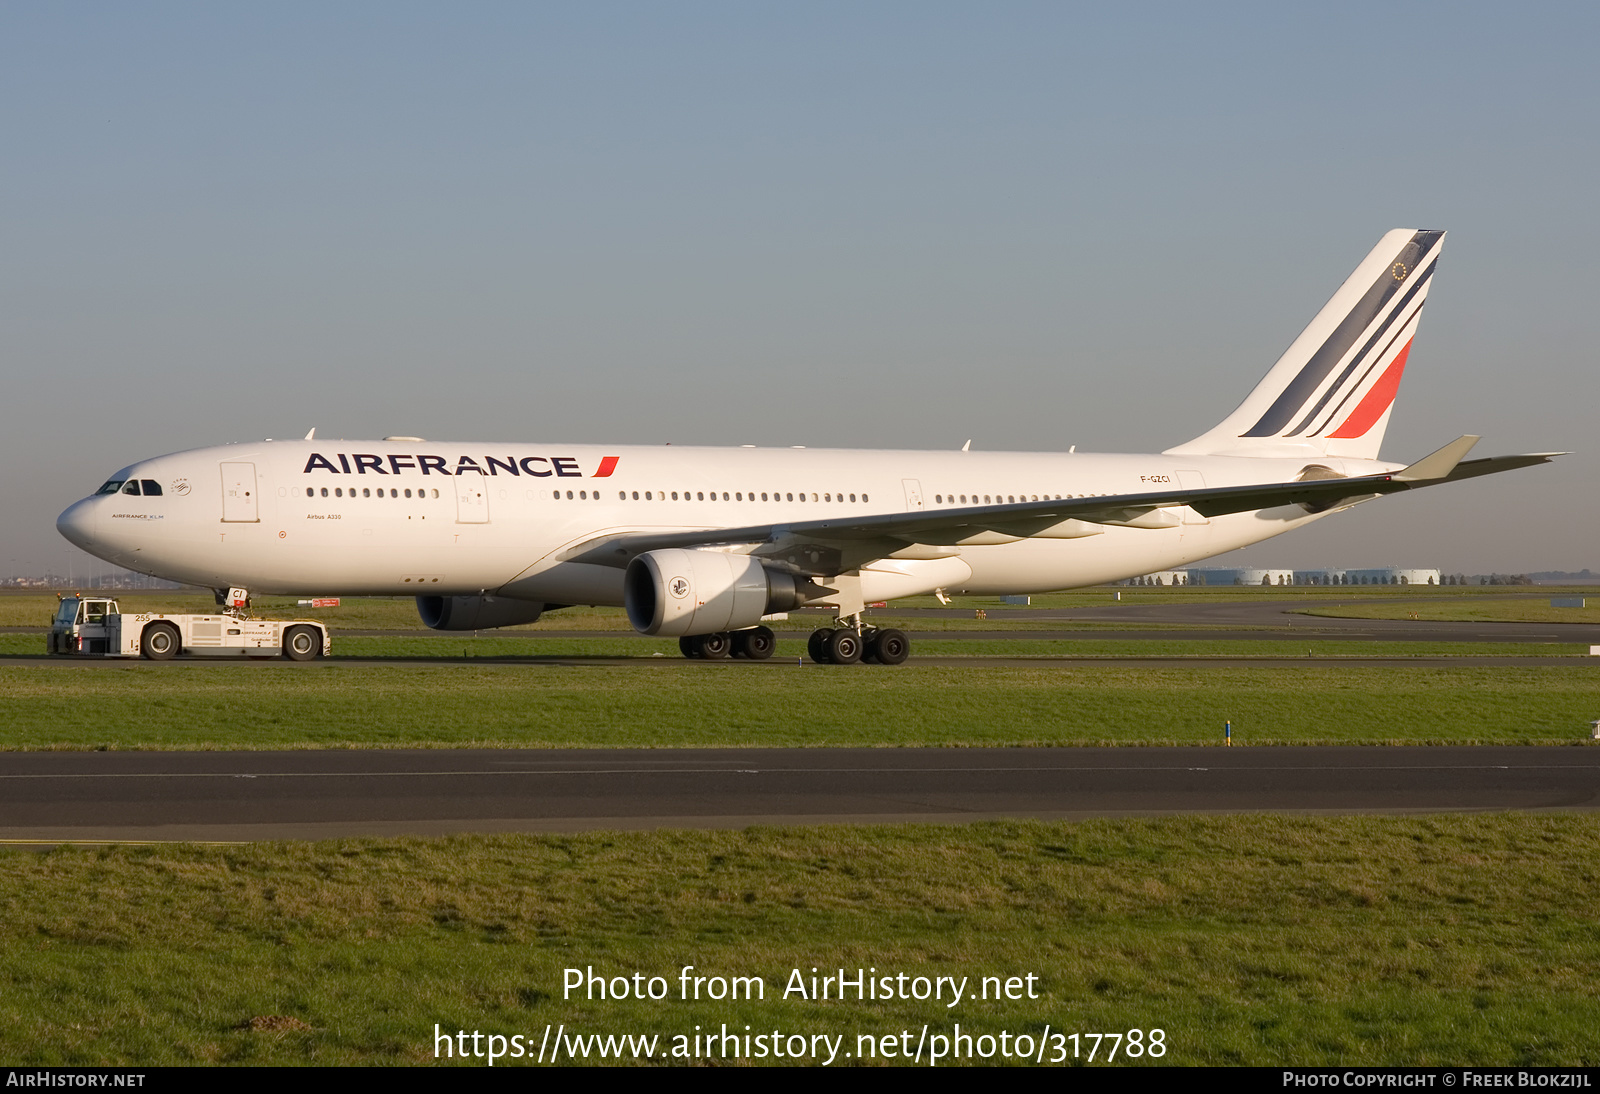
{"x": 160, "y": 642}
{"x": 301, "y": 643}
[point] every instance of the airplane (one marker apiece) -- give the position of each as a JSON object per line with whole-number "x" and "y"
{"x": 703, "y": 544}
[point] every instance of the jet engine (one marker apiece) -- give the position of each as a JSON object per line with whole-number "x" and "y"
{"x": 476, "y": 613}
{"x": 680, "y": 592}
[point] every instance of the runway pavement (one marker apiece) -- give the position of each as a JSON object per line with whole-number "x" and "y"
{"x": 55, "y": 797}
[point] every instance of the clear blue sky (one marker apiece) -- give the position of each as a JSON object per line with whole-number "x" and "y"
{"x": 857, "y": 224}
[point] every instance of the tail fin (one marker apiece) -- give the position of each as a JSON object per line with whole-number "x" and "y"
{"x": 1332, "y": 390}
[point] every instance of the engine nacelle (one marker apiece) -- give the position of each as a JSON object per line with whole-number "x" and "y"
{"x": 476, "y": 613}
{"x": 678, "y": 592}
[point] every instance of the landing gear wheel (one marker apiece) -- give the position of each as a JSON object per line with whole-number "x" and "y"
{"x": 844, "y": 647}
{"x": 889, "y": 646}
{"x": 757, "y": 643}
{"x": 869, "y": 649}
{"x": 817, "y": 646}
{"x": 301, "y": 643}
{"x": 160, "y": 642}
{"x": 689, "y": 646}
{"x": 715, "y": 647}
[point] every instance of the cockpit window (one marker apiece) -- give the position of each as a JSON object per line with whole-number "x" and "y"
{"x": 152, "y": 488}
{"x": 131, "y": 487}
{"x": 111, "y": 487}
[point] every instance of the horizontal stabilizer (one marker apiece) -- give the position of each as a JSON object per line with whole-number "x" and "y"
{"x": 1438, "y": 465}
{"x": 1471, "y": 469}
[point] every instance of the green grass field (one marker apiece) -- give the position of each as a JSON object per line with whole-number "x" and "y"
{"x": 668, "y": 702}
{"x": 1246, "y": 939}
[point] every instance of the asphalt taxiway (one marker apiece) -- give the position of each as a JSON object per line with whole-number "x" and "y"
{"x": 53, "y": 797}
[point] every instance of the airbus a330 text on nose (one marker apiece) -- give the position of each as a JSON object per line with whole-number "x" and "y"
{"x": 702, "y": 543}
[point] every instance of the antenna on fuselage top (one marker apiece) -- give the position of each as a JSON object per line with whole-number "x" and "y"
{"x": 311, "y": 433}
{"x": 968, "y": 446}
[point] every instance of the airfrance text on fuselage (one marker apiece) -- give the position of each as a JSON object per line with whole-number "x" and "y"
{"x": 540, "y": 467}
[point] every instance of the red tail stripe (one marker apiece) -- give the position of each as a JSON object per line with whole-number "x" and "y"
{"x": 1371, "y": 408}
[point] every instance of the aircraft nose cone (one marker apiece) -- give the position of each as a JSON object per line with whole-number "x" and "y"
{"x": 79, "y": 523}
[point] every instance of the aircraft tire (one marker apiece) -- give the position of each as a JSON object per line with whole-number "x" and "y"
{"x": 689, "y": 646}
{"x": 844, "y": 647}
{"x": 160, "y": 642}
{"x": 715, "y": 647}
{"x": 890, "y": 647}
{"x": 757, "y": 643}
{"x": 869, "y": 649}
{"x": 817, "y": 646}
{"x": 302, "y": 644}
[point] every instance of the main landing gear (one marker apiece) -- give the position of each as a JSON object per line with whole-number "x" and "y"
{"x": 848, "y": 645}
{"x": 755, "y": 644}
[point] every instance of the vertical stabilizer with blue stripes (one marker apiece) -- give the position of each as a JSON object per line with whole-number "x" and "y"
{"x": 1332, "y": 390}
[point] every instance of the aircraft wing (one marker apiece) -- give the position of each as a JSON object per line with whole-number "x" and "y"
{"x": 849, "y": 542}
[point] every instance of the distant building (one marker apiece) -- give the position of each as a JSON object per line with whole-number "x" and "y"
{"x": 1391, "y": 575}
{"x": 1241, "y": 576}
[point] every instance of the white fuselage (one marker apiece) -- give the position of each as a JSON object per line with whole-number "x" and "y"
{"x": 428, "y": 518}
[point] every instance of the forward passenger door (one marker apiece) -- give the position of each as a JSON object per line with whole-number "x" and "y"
{"x": 239, "y": 493}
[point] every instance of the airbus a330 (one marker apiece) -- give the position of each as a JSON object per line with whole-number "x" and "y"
{"x": 703, "y": 543}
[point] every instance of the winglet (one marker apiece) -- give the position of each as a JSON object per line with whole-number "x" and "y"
{"x": 1438, "y": 465}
